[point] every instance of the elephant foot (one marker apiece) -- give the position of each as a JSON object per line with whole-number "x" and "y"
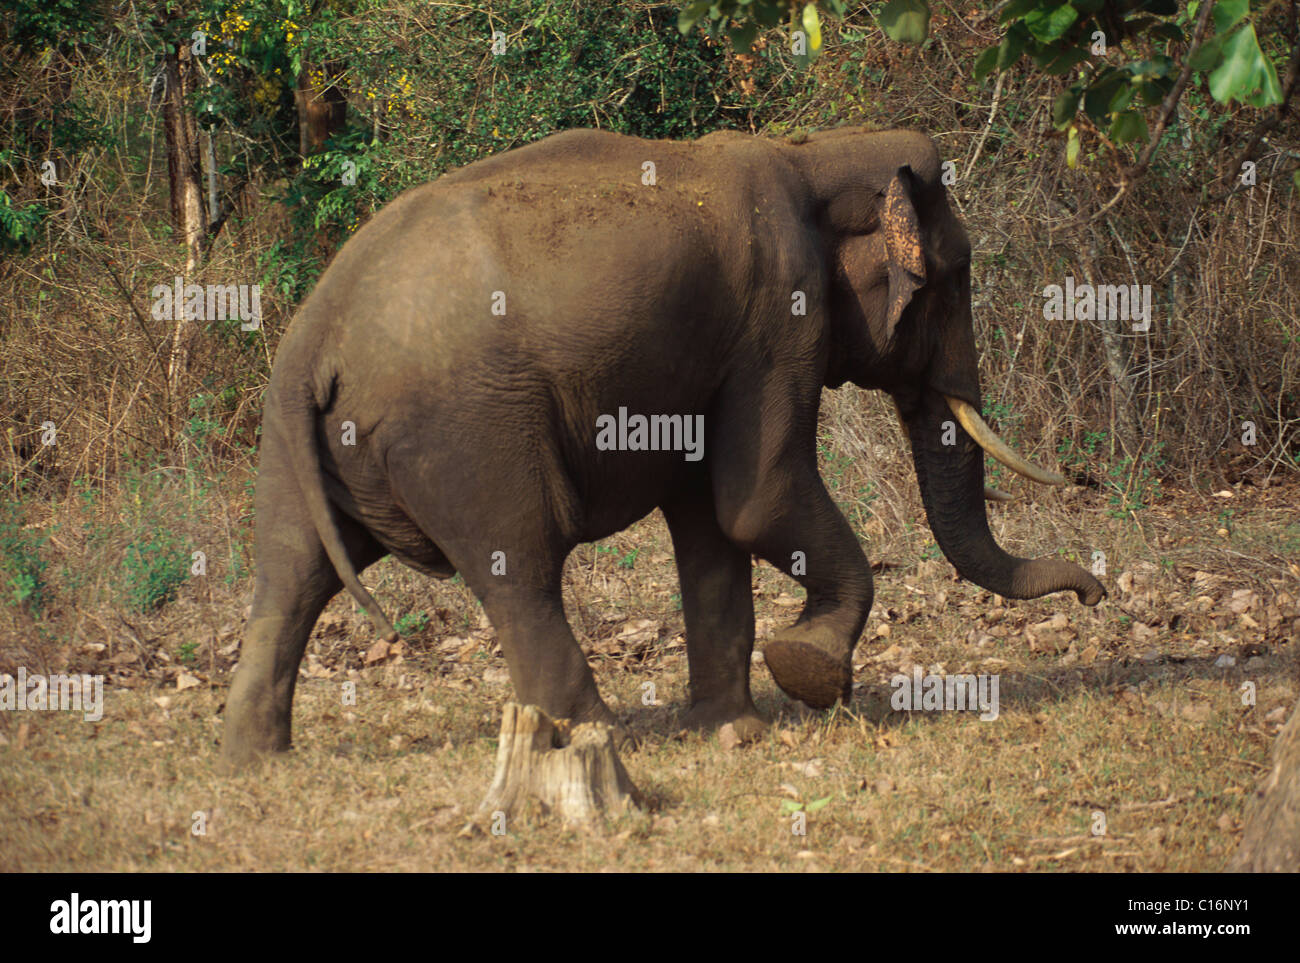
{"x": 805, "y": 670}
{"x": 254, "y": 729}
{"x": 747, "y": 724}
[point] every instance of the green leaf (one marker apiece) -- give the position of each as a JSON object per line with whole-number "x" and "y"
{"x": 1228, "y": 13}
{"x": 1064, "y": 108}
{"x": 1017, "y": 8}
{"x": 1072, "y": 148}
{"x": 1245, "y": 74}
{"x": 1096, "y": 101}
{"x": 1128, "y": 127}
{"x": 1153, "y": 92}
{"x": 817, "y": 804}
{"x": 1123, "y": 97}
{"x": 1013, "y": 44}
{"x": 1059, "y": 60}
{"x": 1295, "y": 179}
{"x": 743, "y": 37}
{"x": 1050, "y": 25}
{"x": 1208, "y": 54}
{"x": 690, "y": 14}
{"x": 985, "y": 63}
{"x": 1155, "y": 67}
{"x": 905, "y": 21}
{"x": 790, "y": 806}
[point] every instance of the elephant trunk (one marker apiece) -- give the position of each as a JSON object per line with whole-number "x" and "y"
{"x": 951, "y": 478}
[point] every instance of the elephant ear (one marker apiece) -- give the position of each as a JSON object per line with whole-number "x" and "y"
{"x": 902, "y": 230}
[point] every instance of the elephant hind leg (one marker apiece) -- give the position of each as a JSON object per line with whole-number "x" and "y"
{"x": 295, "y": 580}
{"x": 718, "y": 607}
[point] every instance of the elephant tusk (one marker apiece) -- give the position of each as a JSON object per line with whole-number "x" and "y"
{"x": 995, "y": 446}
{"x": 992, "y": 494}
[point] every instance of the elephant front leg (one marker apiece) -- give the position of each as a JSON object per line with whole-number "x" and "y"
{"x": 790, "y": 520}
{"x": 718, "y": 607}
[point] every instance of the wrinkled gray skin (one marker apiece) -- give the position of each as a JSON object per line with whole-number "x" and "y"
{"x": 475, "y": 433}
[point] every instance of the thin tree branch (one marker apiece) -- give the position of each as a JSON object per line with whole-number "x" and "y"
{"x": 1133, "y": 174}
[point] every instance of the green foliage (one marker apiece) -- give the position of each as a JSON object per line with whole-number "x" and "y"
{"x": 748, "y": 17}
{"x": 1133, "y": 483}
{"x": 153, "y": 569}
{"x": 21, "y": 565}
{"x": 37, "y": 27}
{"x": 627, "y": 560}
{"x": 412, "y": 622}
{"x": 185, "y": 652}
{"x": 448, "y": 102}
{"x": 18, "y": 225}
{"x": 838, "y": 470}
{"x": 1058, "y": 37}
{"x": 201, "y": 427}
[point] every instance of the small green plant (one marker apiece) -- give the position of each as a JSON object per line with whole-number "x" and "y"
{"x": 21, "y": 565}
{"x": 628, "y": 561}
{"x": 1135, "y": 483}
{"x": 153, "y": 570}
{"x": 1079, "y": 455}
{"x": 202, "y": 427}
{"x": 412, "y": 622}
{"x": 186, "y": 652}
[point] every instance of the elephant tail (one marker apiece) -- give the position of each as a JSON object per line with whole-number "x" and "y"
{"x": 297, "y": 416}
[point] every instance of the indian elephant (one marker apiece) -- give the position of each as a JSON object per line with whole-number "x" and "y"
{"x": 441, "y": 393}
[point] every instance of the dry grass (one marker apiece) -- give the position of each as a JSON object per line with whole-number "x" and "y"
{"x": 1109, "y": 714}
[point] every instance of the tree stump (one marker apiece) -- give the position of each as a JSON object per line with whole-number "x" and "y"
{"x": 575, "y": 774}
{"x": 1271, "y": 843}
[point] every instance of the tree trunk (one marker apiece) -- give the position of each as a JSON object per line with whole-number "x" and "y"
{"x": 578, "y": 775}
{"x": 185, "y": 171}
{"x": 1271, "y": 843}
{"x": 322, "y": 106}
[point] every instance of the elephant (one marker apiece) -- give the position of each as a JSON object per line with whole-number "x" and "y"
{"x": 462, "y": 390}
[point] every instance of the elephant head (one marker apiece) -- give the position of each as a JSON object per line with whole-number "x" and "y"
{"x": 900, "y": 317}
